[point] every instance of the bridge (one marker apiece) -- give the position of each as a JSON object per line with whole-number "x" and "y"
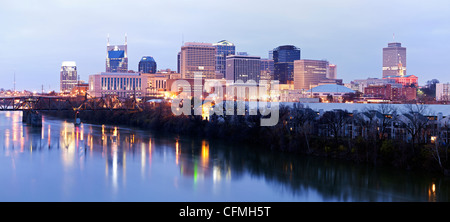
{"x": 33, "y": 105}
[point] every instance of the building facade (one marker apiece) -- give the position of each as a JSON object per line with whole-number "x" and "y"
{"x": 117, "y": 57}
{"x": 224, "y": 48}
{"x": 147, "y": 65}
{"x": 442, "y": 92}
{"x": 267, "y": 69}
{"x": 124, "y": 85}
{"x": 409, "y": 80}
{"x": 284, "y": 57}
{"x": 388, "y": 92}
{"x": 243, "y": 68}
{"x": 198, "y": 57}
{"x": 332, "y": 71}
{"x": 394, "y": 60}
{"x": 68, "y": 76}
{"x": 308, "y": 73}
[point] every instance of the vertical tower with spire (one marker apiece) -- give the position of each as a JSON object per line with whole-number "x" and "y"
{"x": 116, "y": 57}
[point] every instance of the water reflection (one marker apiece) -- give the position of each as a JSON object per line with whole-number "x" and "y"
{"x": 116, "y": 158}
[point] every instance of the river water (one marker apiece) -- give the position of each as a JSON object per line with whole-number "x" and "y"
{"x": 103, "y": 163}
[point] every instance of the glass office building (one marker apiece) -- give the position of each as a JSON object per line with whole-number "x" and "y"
{"x": 117, "y": 57}
{"x": 284, "y": 57}
{"x": 243, "y": 68}
{"x": 224, "y": 48}
{"x": 147, "y": 65}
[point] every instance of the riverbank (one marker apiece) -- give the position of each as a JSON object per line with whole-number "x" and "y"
{"x": 283, "y": 137}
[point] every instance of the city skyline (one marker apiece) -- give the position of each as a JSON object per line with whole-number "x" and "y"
{"x": 39, "y": 37}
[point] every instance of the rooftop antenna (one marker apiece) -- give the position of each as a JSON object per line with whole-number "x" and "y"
{"x": 108, "y": 40}
{"x": 125, "y": 38}
{"x": 182, "y": 39}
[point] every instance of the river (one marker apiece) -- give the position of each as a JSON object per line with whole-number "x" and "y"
{"x": 105, "y": 163}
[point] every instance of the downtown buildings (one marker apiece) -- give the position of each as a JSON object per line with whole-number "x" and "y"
{"x": 243, "y": 68}
{"x": 198, "y": 57}
{"x": 147, "y": 65}
{"x": 224, "y": 48}
{"x": 68, "y": 76}
{"x": 284, "y": 57}
{"x": 117, "y": 57}
{"x": 394, "y": 60}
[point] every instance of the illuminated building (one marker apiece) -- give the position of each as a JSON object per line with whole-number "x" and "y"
{"x": 389, "y": 92}
{"x": 68, "y": 76}
{"x": 243, "y": 68}
{"x": 198, "y": 57}
{"x": 308, "y": 73}
{"x": 117, "y": 57}
{"x": 224, "y": 48}
{"x": 267, "y": 69}
{"x": 394, "y": 60}
{"x": 332, "y": 71}
{"x": 147, "y": 65}
{"x": 442, "y": 92}
{"x": 409, "y": 80}
{"x": 120, "y": 84}
{"x": 284, "y": 57}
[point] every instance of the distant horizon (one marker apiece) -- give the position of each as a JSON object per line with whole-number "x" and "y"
{"x": 350, "y": 34}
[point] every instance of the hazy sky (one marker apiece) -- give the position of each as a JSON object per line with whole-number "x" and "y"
{"x": 37, "y": 36}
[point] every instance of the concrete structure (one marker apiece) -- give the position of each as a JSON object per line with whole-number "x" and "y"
{"x": 121, "y": 84}
{"x": 68, "y": 76}
{"x": 442, "y": 92}
{"x": 243, "y": 68}
{"x": 198, "y": 57}
{"x": 117, "y": 57}
{"x": 308, "y": 73}
{"x": 394, "y": 60}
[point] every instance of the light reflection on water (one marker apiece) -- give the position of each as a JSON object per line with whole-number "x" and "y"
{"x": 63, "y": 162}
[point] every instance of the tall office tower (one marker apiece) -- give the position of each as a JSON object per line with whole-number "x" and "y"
{"x": 224, "y": 49}
{"x": 117, "y": 57}
{"x": 198, "y": 57}
{"x": 332, "y": 72}
{"x": 68, "y": 76}
{"x": 243, "y": 68}
{"x": 266, "y": 69}
{"x": 147, "y": 65}
{"x": 308, "y": 73}
{"x": 284, "y": 57}
{"x": 394, "y": 60}
{"x": 179, "y": 62}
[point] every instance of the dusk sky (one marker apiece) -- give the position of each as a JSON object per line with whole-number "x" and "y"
{"x": 37, "y": 36}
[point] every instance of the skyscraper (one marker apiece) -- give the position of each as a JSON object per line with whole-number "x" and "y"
{"x": 224, "y": 48}
{"x": 332, "y": 71}
{"x": 284, "y": 57}
{"x": 394, "y": 60}
{"x": 308, "y": 73}
{"x": 68, "y": 76}
{"x": 117, "y": 57}
{"x": 147, "y": 65}
{"x": 198, "y": 57}
{"x": 243, "y": 68}
{"x": 267, "y": 69}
